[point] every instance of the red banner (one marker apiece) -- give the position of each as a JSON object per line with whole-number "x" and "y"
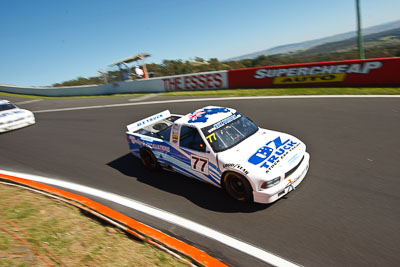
{"x": 367, "y": 72}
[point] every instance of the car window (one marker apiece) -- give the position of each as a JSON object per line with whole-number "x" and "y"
{"x": 229, "y": 132}
{"x": 191, "y": 138}
{"x": 7, "y": 106}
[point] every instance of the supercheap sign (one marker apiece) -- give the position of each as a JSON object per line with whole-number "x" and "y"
{"x": 315, "y": 74}
{"x": 339, "y": 73}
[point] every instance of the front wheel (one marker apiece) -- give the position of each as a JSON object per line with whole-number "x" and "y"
{"x": 148, "y": 159}
{"x": 238, "y": 187}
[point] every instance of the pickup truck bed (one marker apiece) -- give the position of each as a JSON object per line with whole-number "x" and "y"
{"x": 160, "y": 129}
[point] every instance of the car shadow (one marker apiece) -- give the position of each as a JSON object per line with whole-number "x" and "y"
{"x": 202, "y": 194}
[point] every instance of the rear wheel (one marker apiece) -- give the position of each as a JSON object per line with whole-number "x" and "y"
{"x": 238, "y": 187}
{"x": 148, "y": 159}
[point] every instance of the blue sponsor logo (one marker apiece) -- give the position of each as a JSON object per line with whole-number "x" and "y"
{"x": 5, "y": 114}
{"x": 143, "y": 122}
{"x": 224, "y": 122}
{"x": 270, "y": 154}
{"x": 11, "y": 113}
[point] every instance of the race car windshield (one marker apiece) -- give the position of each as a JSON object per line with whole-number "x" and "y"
{"x": 7, "y": 106}
{"x": 229, "y": 132}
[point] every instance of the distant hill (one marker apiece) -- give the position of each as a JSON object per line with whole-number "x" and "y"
{"x": 347, "y": 38}
{"x": 381, "y": 39}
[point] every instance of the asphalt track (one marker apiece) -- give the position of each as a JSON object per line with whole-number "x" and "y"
{"x": 345, "y": 213}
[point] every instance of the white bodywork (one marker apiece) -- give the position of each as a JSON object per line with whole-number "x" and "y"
{"x": 264, "y": 157}
{"x": 292, "y": 153}
{"x": 13, "y": 117}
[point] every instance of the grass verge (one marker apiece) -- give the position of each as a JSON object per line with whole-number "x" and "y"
{"x": 255, "y": 92}
{"x": 290, "y": 91}
{"x": 36, "y": 230}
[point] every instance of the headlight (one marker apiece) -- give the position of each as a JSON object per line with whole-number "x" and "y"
{"x": 270, "y": 183}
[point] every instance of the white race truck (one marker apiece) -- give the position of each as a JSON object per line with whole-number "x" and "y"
{"x": 222, "y": 147}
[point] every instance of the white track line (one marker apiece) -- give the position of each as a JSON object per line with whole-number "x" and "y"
{"x": 244, "y": 247}
{"x": 28, "y": 101}
{"x": 143, "y": 97}
{"x": 214, "y": 99}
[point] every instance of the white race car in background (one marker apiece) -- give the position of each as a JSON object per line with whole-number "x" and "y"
{"x": 12, "y": 117}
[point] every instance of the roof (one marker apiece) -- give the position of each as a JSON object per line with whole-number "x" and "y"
{"x": 206, "y": 116}
{"x": 131, "y": 59}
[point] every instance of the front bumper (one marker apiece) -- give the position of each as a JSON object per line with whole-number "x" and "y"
{"x": 284, "y": 187}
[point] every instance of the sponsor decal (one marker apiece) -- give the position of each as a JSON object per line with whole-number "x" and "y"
{"x": 194, "y": 117}
{"x": 175, "y": 138}
{"x": 316, "y": 74}
{"x": 5, "y": 114}
{"x": 291, "y": 182}
{"x": 149, "y": 145}
{"x": 199, "y": 164}
{"x": 143, "y": 122}
{"x": 224, "y": 122}
{"x": 175, "y": 133}
{"x": 292, "y": 160}
{"x": 236, "y": 166}
{"x": 203, "y": 114}
{"x": 160, "y": 147}
{"x": 269, "y": 155}
{"x": 11, "y": 113}
{"x": 211, "y": 138}
{"x": 147, "y": 139}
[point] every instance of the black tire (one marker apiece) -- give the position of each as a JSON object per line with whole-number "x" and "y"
{"x": 148, "y": 159}
{"x": 238, "y": 187}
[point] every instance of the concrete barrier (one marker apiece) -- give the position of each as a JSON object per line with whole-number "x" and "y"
{"x": 56, "y": 91}
{"x": 200, "y": 81}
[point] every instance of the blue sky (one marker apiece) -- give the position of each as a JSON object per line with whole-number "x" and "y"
{"x": 44, "y": 42}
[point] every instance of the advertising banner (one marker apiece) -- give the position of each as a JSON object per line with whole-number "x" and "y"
{"x": 367, "y": 72}
{"x": 196, "y": 81}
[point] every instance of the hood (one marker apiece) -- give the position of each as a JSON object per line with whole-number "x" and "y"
{"x": 264, "y": 155}
{"x": 13, "y": 115}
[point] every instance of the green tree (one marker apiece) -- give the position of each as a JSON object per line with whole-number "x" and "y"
{"x": 199, "y": 59}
